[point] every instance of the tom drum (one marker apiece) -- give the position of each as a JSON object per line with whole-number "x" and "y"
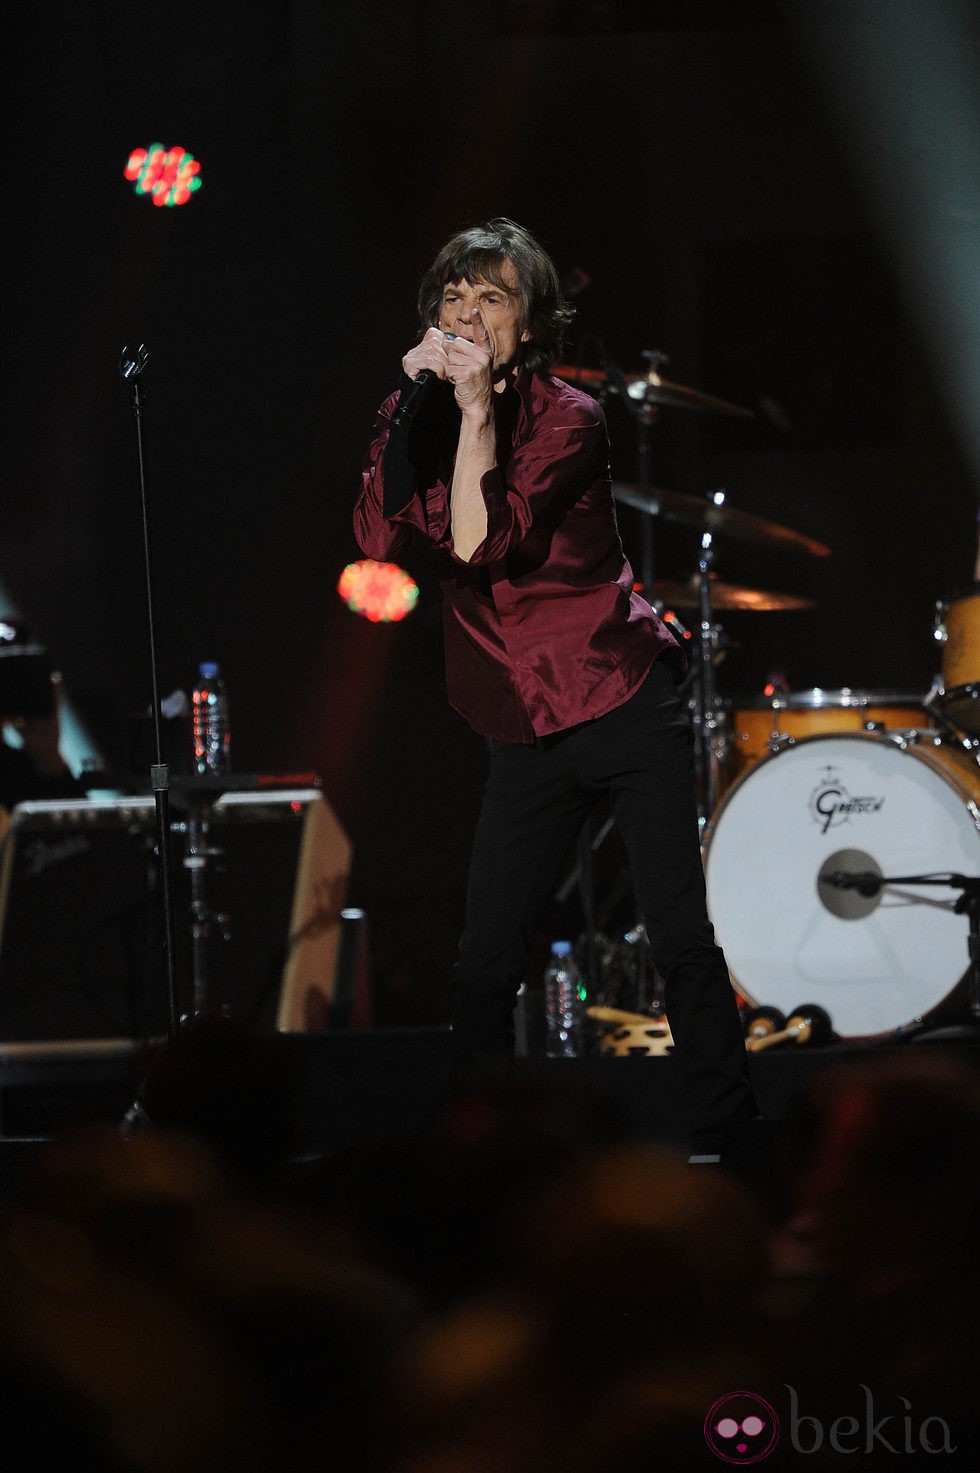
{"x": 958, "y": 627}
{"x": 764, "y": 724}
{"x": 853, "y": 802}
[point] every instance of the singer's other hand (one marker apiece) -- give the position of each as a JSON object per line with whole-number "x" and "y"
{"x": 471, "y": 365}
{"x": 429, "y": 353}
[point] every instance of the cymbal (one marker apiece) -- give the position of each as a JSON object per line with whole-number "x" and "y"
{"x": 685, "y": 594}
{"x": 712, "y": 516}
{"x": 650, "y": 388}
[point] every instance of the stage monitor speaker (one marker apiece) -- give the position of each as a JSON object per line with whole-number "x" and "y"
{"x": 81, "y": 954}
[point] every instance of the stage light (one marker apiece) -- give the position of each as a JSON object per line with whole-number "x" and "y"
{"x": 381, "y": 592}
{"x": 902, "y": 77}
{"x": 168, "y": 175}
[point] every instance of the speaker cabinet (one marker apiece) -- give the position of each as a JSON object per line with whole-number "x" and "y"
{"x": 81, "y": 931}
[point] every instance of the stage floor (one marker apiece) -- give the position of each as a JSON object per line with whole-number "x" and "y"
{"x": 344, "y": 1091}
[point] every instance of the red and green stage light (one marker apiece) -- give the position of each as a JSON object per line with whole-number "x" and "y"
{"x": 168, "y": 175}
{"x": 381, "y": 592}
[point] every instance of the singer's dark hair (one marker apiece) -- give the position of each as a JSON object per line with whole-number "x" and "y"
{"x": 479, "y": 254}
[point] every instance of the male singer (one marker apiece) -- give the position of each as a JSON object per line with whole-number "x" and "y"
{"x": 550, "y": 653}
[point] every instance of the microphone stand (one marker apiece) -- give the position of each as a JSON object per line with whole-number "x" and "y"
{"x": 131, "y": 367}
{"x": 968, "y": 904}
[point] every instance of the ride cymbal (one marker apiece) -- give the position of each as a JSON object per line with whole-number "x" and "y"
{"x": 650, "y": 388}
{"x": 685, "y": 594}
{"x": 712, "y": 516}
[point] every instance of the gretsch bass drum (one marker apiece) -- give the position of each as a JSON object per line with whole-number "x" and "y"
{"x": 888, "y": 805}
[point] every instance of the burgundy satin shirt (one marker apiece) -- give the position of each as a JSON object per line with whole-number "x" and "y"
{"x": 542, "y": 627}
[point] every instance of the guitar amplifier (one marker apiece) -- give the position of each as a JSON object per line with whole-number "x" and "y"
{"x": 81, "y": 925}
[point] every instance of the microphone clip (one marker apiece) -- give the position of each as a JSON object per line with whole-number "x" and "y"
{"x": 131, "y": 365}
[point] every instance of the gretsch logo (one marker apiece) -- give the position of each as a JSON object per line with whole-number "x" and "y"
{"x": 831, "y": 804}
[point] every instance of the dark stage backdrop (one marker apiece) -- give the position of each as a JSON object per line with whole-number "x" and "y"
{"x": 689, "y": 171}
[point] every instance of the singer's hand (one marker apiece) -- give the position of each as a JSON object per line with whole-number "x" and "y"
{"x": 471, "y": 368}
{"x": 430, "y": 353}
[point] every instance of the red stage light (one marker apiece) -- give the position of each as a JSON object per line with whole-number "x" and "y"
{"x": 381, "y": 592}
{"x": 168, "y": 175}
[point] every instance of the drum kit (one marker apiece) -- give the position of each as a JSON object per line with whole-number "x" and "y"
{"x": 839, "y": 828}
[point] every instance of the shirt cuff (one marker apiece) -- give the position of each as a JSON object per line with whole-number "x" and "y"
{"x": 398, "y": 481}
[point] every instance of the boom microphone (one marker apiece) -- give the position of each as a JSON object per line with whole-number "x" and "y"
{"x": 865, "y": 882}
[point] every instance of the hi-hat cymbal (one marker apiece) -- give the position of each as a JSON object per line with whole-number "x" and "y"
{"x": 685, "y": 594}
{"x": 712, "y": 516}
{"x": 650, "y": 388}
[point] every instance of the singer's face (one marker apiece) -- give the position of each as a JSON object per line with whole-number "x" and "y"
{"x": 465, "y": 305}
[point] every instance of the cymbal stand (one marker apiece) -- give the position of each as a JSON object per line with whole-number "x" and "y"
{"x": 644, "y": 414}
{"x": 706, "y": 716}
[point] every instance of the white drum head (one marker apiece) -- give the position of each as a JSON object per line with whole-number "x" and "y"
{"x": 853, "y": 803}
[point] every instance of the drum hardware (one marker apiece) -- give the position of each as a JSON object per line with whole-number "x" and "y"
{"x": 610, "y": 378}
{"x": 630, "y": 973}
{"x": 934, "y": 707}
{"x": 707, "y": 715}
{"x": 907, "y": 737}
{"x": 710, "y": 721}
{"x": 809, "y": 1025}
{"x": 680, "y": 631}
{"x": 712, "y": 738}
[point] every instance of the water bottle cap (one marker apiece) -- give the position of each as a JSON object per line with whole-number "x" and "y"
{"x": 208, "y": 670}
{"x": 561, "y": 948}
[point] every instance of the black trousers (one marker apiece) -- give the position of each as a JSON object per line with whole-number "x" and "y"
{"x": 537, "y": 798}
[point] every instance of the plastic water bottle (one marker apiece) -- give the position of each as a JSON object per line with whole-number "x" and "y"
{"x": 564, "y": 998}
{"x": 212, "y": 732}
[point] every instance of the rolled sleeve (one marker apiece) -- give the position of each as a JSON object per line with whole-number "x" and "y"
{"x": 391, "y": 505}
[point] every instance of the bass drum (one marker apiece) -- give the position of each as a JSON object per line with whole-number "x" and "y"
{"x": 865, "y": 802}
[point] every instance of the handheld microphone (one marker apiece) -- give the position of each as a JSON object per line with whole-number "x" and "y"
{"x": 411, "y": 397}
